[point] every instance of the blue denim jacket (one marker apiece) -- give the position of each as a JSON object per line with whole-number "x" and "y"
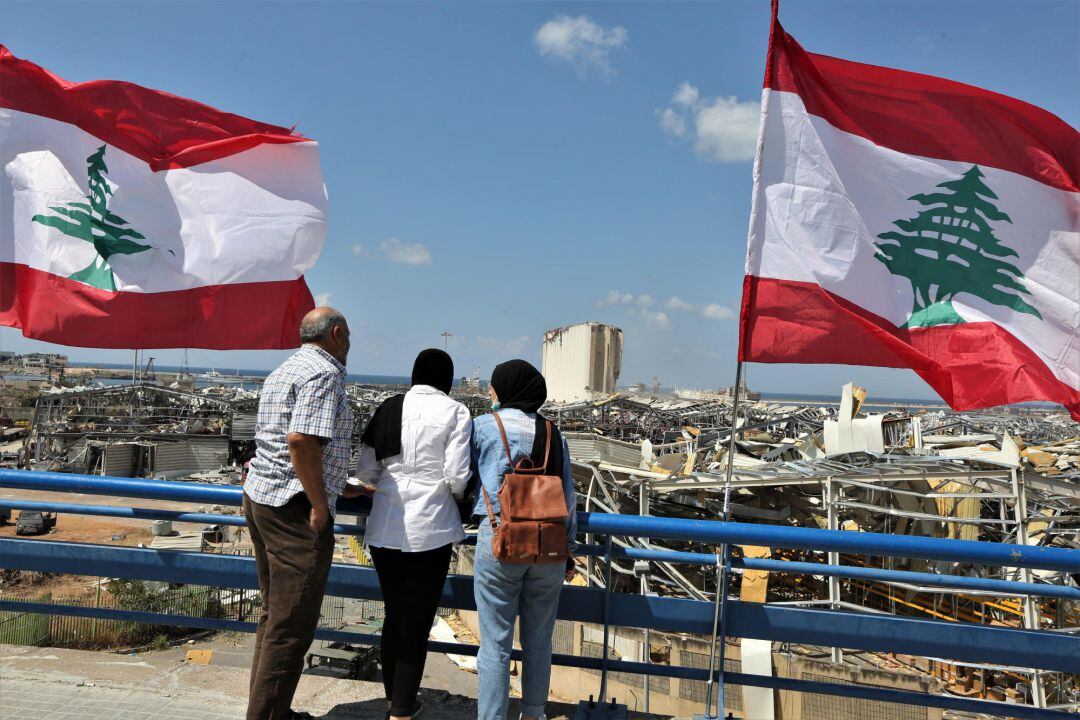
{"x": 490, "y": 464}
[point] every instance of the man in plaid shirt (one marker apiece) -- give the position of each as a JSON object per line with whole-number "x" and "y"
{"x": 301, "y": 462}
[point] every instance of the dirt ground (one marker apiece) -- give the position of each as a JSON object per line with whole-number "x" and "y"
{"x": 81, "y": 529}
{"x": 77, "y": 529}
{"x": 70, "y": 528}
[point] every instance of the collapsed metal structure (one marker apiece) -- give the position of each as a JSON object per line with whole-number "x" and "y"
{"x": 139, "y": 431}
{"x": 989, "y": 477}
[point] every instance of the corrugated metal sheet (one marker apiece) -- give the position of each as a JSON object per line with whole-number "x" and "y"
{"x": 209, "y": 453}
{"x": 119, "y": 460}
{"x": 170, "y": 457}
{"x": 582, "y": 447}
{"x": 243, "y": 426}
{"x": 193, "y": 455}
{"x": 586, "y": 447}
{"x": 181, "y": 542}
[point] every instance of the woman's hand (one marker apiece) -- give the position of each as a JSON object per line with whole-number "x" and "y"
{"x": 357, "y": 490}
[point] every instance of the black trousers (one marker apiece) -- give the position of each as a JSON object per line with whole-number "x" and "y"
{"x": 412, "y": 583}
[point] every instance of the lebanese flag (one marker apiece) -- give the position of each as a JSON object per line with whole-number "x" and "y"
{"x": 132, "y": 218}
{"x": 903, "y": 220}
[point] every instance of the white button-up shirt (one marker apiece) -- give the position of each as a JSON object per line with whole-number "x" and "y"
{"x": 413, "y": 509}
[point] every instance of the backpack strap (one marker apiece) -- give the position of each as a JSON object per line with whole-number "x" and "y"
{"x": 509, "y": 459}
{"x": 547, "y": 448}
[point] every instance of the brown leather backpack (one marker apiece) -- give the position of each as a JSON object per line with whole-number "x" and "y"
{"x": 532, "y": 511}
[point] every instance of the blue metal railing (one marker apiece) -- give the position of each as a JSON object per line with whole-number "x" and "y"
{"x": 958, "y": 641}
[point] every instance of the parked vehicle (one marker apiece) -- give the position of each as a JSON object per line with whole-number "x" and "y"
{"x": 33, "y": 522}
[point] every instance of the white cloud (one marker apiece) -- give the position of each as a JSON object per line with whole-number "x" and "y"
{"x": 615, "y": 297}
{"x": 637, "y": 306}
{"x": 722, "y": 128}
{"x": 358, "y": 249}
{"x": 677, "y": 303}
{"x": 672, "y": 123}
{"x": 686, "y": 95}
{"x": 581, "y": 42}
{"x": 657, "y": 320}
{"x": 717, "y": 312}
{"x": 394, "y": 250}
{"x": 322, "y": 300}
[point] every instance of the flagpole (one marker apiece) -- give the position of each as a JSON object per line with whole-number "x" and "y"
{"x": 731, "y": 437}
{"x": 724, "y": 564}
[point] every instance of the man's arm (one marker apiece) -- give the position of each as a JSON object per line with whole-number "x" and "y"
{"x": 310, "y": 427}
{"x": 307, "y": 459}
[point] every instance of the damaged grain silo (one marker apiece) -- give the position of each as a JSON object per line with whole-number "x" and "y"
{"x": 581, "y": 362}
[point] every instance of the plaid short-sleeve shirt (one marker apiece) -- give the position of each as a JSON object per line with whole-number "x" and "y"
{"x": 305, "y": 395}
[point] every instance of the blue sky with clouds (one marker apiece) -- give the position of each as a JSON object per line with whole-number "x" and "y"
{"x": 499, "y": 169}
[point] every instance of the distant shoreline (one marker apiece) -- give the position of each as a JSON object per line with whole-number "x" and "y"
{"x": 773, "y": 397}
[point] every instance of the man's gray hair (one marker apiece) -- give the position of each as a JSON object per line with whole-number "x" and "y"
{"x": 317, "y": 325}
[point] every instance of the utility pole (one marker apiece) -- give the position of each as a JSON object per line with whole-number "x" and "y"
{"x": 446, "y": 340}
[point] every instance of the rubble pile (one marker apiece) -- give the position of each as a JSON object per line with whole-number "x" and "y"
{"x": 972, "y": 476}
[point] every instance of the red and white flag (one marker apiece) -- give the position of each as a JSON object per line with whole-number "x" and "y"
{"x": 132, "y": 218}
{"x": 903, "y": 220}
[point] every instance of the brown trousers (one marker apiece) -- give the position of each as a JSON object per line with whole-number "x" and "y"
{"x": 293, "y": 565}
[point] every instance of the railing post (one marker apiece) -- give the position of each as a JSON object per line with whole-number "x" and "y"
{"x": 646, "y": 650}
{"x": 712, "y": 643}
{"x": 1031, "y": 608}
{"x": 607, "y": 620}
{"x": 723, "y": 631}
{"x": 834, "y": 557}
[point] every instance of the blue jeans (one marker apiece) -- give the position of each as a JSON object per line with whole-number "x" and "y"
{"x": 505, "y": 592}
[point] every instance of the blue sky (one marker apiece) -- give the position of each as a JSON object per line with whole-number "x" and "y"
{"x": 498, "y": 169}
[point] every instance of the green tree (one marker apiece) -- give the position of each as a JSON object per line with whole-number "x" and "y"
{"x": 950, "y": 248}
{"x": 93, "y": 222}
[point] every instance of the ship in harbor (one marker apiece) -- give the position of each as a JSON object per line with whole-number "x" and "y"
{"x": 720, "y": 395}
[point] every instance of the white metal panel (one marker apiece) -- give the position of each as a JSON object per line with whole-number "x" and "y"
{"x": 586, "y": 447}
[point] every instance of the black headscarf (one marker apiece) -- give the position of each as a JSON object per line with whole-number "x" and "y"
{"x": 435, "y": 368}
{"x": 383, "y": 432}
{"x": 519, "y": 385}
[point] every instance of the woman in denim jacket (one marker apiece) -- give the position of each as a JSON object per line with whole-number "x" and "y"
{"x": 506, "y": 591}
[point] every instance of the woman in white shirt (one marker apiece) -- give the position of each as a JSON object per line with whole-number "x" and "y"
{"x": 415, "y": 451}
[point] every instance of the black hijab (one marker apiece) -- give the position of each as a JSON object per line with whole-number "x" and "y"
{"x": 519, "y": 385}
{"x": 435, "y": 368}
{"x": 383, "y": 432}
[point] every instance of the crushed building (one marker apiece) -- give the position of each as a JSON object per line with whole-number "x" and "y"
{"x": 974, "y": 476}
{"x": 138, "y": 431}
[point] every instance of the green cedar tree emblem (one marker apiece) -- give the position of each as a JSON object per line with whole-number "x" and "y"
{"x": 950, "y": 248}
{"x": 93, "y": 222}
